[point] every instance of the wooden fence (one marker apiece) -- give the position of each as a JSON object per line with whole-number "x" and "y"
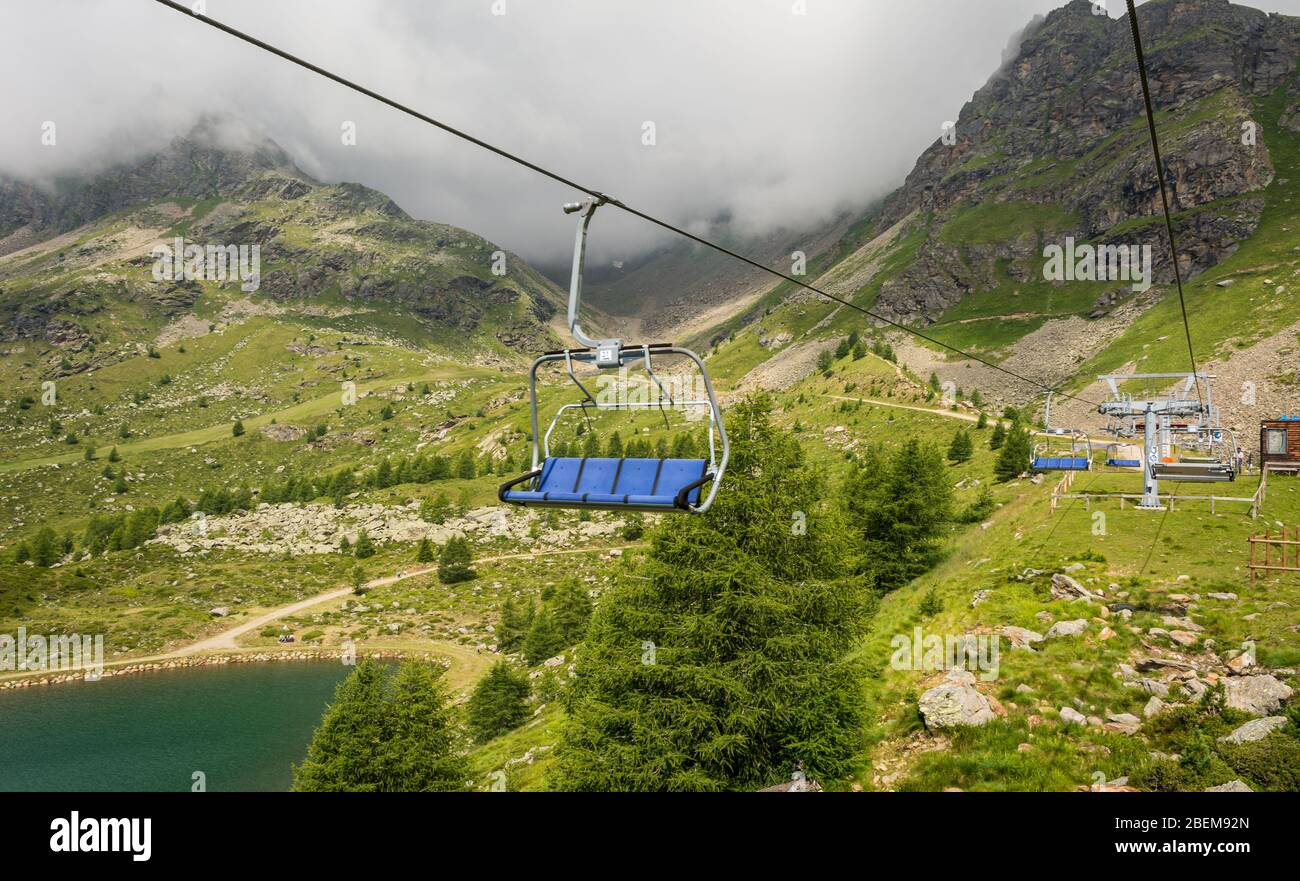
{"x": 1287, "y": 561}
{"x": 1256, "y": 502}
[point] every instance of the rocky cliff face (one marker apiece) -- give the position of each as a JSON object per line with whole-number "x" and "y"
{"x": 1062, "y": 125}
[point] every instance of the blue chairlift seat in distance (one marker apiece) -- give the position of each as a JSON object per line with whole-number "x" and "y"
{"x": 1063, "y": 463}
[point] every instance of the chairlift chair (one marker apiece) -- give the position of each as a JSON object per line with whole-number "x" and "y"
{"x": 1215, "y": 461}
{"x": 655, "y": 485}
{"x": 1126, "y": 456}
{"x": 1047, "y": 459}
{"x": 1077, "y": 458}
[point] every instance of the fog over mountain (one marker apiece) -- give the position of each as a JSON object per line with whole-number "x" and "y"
{"x": 762, "y": 117}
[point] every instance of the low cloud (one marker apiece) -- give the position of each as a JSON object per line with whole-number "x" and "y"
{"x": 761, "y": 116}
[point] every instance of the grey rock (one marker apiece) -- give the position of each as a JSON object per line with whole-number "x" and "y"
{"x": 1073, "y": 716}
{"x": 1255, "y": 729}
{"x": 1020, "y": 637}
{"x": 1066, "y": 588}
{"x": 955, "y": 703}
{"x": 1154, "y": 687}
{"x": 1258, "y": 695}
{"x": 1067, "y": 628}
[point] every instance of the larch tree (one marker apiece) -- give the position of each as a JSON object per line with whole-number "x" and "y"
{"x": 725, "y": 661}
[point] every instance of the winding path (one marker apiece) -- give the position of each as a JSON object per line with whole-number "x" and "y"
{"x": 225, "y": 641}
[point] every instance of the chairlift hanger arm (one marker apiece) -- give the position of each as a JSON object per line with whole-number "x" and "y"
{"x": 608, "y": 351}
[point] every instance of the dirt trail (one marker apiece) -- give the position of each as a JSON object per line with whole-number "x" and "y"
{"x": 225, "y": 641}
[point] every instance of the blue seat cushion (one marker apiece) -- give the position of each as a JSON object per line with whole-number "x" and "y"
{"x": 1061, "y": 463}
{"x": 612, "y": 482}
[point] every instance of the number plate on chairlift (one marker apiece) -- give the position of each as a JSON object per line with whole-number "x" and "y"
{"x": 607, "y": 353}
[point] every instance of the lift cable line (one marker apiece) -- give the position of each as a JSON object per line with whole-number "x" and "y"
{"x": 596, "y": 194}
{"x": 1160, "y": 177}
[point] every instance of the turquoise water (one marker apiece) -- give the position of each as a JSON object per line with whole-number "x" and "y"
{"x": 243, "y": 725}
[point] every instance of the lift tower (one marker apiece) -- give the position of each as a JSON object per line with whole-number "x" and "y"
{"x": 1156, "y": 416}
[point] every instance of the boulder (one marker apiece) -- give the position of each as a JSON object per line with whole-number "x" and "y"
{"x": 1234, "y": 786}
{"x": 1073, "y": 716}
{"x": 1153, "y": 687}
{"x": 1258, "y": 695}
{"x": 1123, "y": 723}
{"x": 1240, "y": 664}
{"x": 1255, "y": 729}
{"x": 1066, "y": 588}
{"x": 1067, "y": 628}
{"x": 955, "y": 702}
{"x": 1020, "y": 637}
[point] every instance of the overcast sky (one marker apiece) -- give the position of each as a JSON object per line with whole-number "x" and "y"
{"x": 761, "y": 116}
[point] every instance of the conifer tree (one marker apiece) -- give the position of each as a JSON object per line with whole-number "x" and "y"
{"x": 436, "y": 510}
{"x": 385, "y": 731}
{"x": 425, "y": 552}
{"x": 902, "y": 506}
{"x": 418, "y": 753}
{"x": 341, "y": 757}
{"x": 454, "y": 561}
{"x": 961, "y": 449}
{"x": 516, "y": 619}
{"x": 45, "y": 549}
{"x": 998, "y": 437}
{"x": 1013, "y": 459}
{"x": 727, "y": 659}
{"x": 826, "y": 361}
{"x": 365, "y": 547}
{"x": 543, "y": 640}
{"x": 465, "y": 469}
{"x": 571, "y": 608}
{"x": 498, "y": 704}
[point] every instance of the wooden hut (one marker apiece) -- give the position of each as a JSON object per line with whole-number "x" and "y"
{"x": 1279, "y": 443}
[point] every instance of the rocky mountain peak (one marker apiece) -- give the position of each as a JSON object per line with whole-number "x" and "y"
{"x": 1059, "y": 127}
{"x": 217, "y": 157}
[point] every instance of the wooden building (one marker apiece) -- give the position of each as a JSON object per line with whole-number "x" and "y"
{"x": 1279, "y": 442}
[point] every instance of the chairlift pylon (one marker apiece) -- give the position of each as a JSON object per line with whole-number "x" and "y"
{"x": 658, "y": 485}
{"x": 1160, "y": 418}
